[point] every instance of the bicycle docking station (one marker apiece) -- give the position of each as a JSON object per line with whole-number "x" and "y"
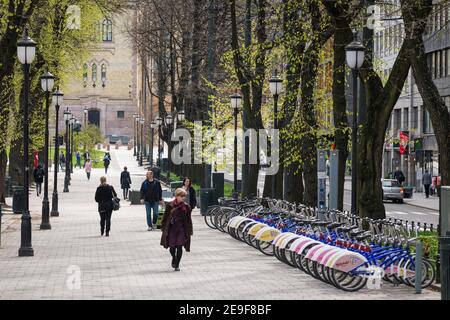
{"x": 444, "y": 242}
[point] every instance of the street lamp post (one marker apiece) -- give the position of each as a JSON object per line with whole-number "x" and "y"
{"x": 67, "y": 169}
{"x": 169, "y": 122}
{"x": 144, "y": 139}
{"x": 180, "y": 117}
{"x": 276, "y": 87}
{"x": 141, "y": 122}
{"x": 134, "y": 132}
{"x": 138, "y": 140}
{"x": 26, "y": 52}
{"x": 159, "y": 122}
{"x": 152, "y": 126}
{"x": 72, "y": 125}
{"x": 355, "y": 58}
{"x": 236, "y": 100}
{"x": 47, "y": 83}
{"x": 57, "y": 101}
{"x": 85, "y": 111}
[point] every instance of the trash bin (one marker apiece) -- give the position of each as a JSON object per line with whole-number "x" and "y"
{"x": 208, "y": 197}
{"x": 160, "y": 217}
{"x": 134, "y": 196}
{"x": 219, "y": 183}
{"x": 18, "y": 199}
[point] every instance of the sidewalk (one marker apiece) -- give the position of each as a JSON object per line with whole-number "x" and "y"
{"x": 72, "y": 261}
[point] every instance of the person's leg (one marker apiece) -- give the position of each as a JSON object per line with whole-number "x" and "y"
{"x": 173, "y": 254}
{"x": 108, "y": 222}
{"x": 155, "y": 206}
{"x": 124, "y": 193}
{"x": 179, "y": 253}
{"x": 102, "y": 223}
{"x": 148, "y": 209}
{"x": 127, "y": 191}
{"x": 40, "y": 188}
{"x": 427, "y": 190}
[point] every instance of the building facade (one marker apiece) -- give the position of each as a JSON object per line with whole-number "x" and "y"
{"x": 107, "y": 88}
{"x": 410, "y": 123}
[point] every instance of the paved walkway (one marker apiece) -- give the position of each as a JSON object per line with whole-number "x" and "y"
{"x": 73, "y": 262}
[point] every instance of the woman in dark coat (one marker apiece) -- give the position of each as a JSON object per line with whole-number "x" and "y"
{"x": 104, "y": 195}
{"x": 191, "y": 198}
{"x": 177, "y": 228}
{"x": 125, "y": 182}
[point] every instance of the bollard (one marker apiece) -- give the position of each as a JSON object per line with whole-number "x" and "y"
{"x": 418, "y": 267}
{"x": 425, "y": 226}
{"x": 445, "y": 266}
{"x": 431, "y": 228}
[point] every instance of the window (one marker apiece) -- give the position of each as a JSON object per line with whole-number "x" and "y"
{"x": 427, "y": 127}
{"x": 107, "y": 30}
{"x": 397, "y": 120}
{"x": 438, "y": 64}
{"x": 448, "y": 62}
{"x": 85, "y": 73}
{"x": 381, "y": 43}
{"x": 415, "y": 118}
{"x": 405, "y": 118}
{"x": 433, "y": 67}
{"x": 103, "y": 73}
{"x": 121, "y": 114}
{"x": 94, "y": 73}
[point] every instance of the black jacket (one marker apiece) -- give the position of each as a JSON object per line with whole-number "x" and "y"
{"x": 151, "y": 191}
{"x": 125, "y": 180}
{"x": 104, "y": 196}
{"x": 192, "y": 198}
{"x": 39, "y": 174}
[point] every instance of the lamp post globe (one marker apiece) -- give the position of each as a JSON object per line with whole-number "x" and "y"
{"x": 355, "y": 55}
{"x": 181, "y": 116}
{"x": 47, "y": 84}
{"x": 169, "y": 119}
{"x": 57, "y": 100}
{"x": 26, "y": 52}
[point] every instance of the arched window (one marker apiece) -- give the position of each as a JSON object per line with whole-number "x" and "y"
{"x": 94, "y": 73}
{"x": 85, "y": 73}
{"x": 107, "y": 30}
{"x": 103, "y": 74}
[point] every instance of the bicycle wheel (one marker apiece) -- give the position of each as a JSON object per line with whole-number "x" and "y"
{"x": 350, "y": 283}
{"x": 208, "y": 216}
{"x": 428, "y": 273}
{"x": 265, "y": 247}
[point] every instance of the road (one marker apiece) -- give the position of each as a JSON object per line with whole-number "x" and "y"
{"x": 402, "y": 211}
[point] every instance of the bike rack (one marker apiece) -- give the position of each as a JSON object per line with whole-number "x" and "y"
{"x": 418, "y": 262}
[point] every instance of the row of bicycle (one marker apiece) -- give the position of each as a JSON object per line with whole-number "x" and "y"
{"x": 346, "y": 251}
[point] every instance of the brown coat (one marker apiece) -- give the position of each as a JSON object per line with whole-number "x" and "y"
{"x": 187, "y": 223}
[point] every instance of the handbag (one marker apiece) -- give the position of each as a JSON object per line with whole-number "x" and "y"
{"x": 115, "y": 202}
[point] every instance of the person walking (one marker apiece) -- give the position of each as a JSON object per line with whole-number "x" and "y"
{"x": 88, "y": 168}
{"x": 427, "y": 180}
{"x": 104, "y": 197}
{"x": 86, "y": 156}
{"x": 106, "y": 162}
{"x": 399, "y": 176}
{"x": 62, "y": 160}
{"x": 125, "y": 182}
{"x": 191, "y": 198}
{"x": 151, "y": 194}
{"x": 38, "y": 175}
{"x": 78, "y": 158}
{"x": 177, "y": 228}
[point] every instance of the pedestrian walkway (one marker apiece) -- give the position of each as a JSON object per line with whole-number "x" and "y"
{"x": 72, "y": 261}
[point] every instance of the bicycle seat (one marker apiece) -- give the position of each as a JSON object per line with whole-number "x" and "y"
{"x": 355, "y": 233}
{"x": 320, "y": 223}
{"x": 346, "y": 229}
{"x": 334, "y": 225}
{"x": 364, "y": 236}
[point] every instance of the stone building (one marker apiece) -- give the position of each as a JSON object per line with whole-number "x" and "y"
{"x": 107, "y": 88}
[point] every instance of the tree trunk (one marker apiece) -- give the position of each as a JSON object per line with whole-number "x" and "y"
{"x": 293, "y": 191}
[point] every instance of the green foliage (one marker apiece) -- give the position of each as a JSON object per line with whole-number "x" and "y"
{"x": 88, "y": 138}
{"x": 430, "y": 243}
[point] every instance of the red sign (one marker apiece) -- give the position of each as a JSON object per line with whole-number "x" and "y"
{"x": 404, "y": 141}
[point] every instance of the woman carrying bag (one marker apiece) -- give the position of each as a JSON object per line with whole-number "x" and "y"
{"x": 107, "y": 200}
{"x": 177, "y": 228}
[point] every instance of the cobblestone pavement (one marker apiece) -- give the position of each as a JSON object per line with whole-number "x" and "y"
{"x": 131, "y": 264}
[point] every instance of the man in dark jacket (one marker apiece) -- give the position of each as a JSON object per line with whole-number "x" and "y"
{"x": 399, "y": 176}
{"x": 151, "y": 195}
{"x": 38, "y": 175}
{"x": 125, "y": 182}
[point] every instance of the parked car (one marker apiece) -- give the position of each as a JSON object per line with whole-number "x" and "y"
{"x": 392, "y": 190}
